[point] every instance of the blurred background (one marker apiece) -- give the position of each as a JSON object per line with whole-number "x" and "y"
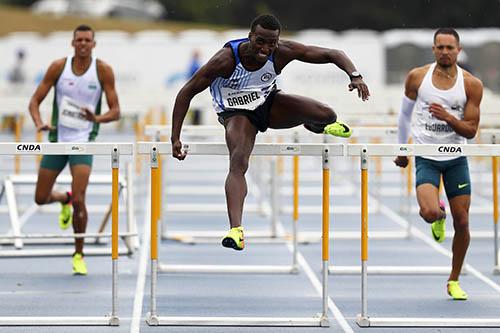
{"x": 154, "y": 46}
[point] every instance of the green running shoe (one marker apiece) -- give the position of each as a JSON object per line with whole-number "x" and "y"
{"x": 338, "y": 128}
{"x": 79, "y": 267}
{"x": 66, "y": 216}
{"x": 438, "y": 227}
{"x": 455, "y": 291}
{"x": 234, "y": 239}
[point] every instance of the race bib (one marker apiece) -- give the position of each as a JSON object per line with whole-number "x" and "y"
{"x": 70, "y": 114}
{"x": 246, "y": 100}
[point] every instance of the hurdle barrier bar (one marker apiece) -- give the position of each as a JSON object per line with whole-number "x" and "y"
{"x": 18, "y": 239}
{"x": 108, "y": 149}
{"x": 326, "y": 151}
{"x": 366, "y": 151}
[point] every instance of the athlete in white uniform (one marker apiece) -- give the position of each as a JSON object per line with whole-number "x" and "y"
{"x": 444, "y": 100}
{"x": 73, "y": 93}
{"x": 241, "y": 77}
{"x": 78, "y": 81}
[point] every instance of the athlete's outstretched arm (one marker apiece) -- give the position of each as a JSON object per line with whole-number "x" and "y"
{"x": 107, "y": 79}
{"x": 49, "y": 79}
{"x": 221, "y": 64}
{"x": 290, "y": 50}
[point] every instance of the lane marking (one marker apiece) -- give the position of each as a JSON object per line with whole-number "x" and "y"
{"x": 337, "y": 314}
{"x": 135, "y": 325}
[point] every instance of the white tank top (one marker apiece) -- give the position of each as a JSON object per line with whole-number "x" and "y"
{"x": 428, "y": 130}
{"x": 73, "y": 92}
{"x": 243, "y": 90}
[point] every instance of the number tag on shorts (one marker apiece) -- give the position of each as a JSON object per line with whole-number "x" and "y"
{"x": 70, "y": 114}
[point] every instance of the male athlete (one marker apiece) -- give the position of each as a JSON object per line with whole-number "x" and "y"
{"x": 446, "y": 101}
{"x": 242, "y": 80}
{"x": 79, "y": 81}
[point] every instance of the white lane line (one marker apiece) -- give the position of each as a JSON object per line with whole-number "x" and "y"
{"x": 141, "y": 272}
{"x": 317, "y": 283}
{"x": 419, "y": 234}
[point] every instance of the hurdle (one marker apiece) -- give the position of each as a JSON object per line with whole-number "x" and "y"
{"x": 325, "y": 151}
{"x": 438, "y": 270}
{"x": 366, "y": 151}
{"x": 107, "y": 149}
{"x": 17, "y": 238}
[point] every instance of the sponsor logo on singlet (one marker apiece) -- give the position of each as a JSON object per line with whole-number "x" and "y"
{"x": 266, "y": 77}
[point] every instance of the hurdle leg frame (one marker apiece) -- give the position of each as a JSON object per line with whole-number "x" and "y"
{"x": 133, "y": 241}
{"x": 363, "y": 319}
{"x": 153, "y": 319}
{"x": 295, "y": 217}
{"x": 494, "y": 171}
{"x": 13, "y": 212}
{"x": 16, "y": 224}
{"x": 110, "y": 320}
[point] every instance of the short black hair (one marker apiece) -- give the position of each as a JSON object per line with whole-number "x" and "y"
{"x": 447, "y": 31}
{"x": 266, "y": 21}
{"x": 83, "y": 27}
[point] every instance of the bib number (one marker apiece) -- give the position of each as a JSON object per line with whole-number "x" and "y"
{"x": 70, "y": 114}
{"x": 246, "y": 100}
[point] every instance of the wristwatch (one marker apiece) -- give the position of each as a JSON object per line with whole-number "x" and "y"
{"x": 355, "y": 74}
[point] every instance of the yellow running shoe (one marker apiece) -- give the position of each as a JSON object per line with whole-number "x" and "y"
{"x": 66, "y": 215}
{"x": 79, "y": 266}
{"x": 338, "y": 128}
{"x": 455, "y": 291}
{"x": 438, "y": 227}
{"x": 234, "y": 239}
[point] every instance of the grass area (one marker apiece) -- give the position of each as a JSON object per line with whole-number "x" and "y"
{"x": 14, "y": 19}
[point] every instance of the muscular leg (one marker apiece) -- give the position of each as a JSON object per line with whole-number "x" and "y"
{"x": 80, "y": 174}
{"x": 45, "y": 183}
{"x": 459, "y": 207}
{"x": 240, "y": 139}
{"x": 428, "y": 200}
{"x": 292, "y": 110}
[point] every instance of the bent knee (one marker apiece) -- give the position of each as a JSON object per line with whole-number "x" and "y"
{"x": 41, "y": 199}
{"x": 327, "y": 114}
{"x": 430, "y": 215}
